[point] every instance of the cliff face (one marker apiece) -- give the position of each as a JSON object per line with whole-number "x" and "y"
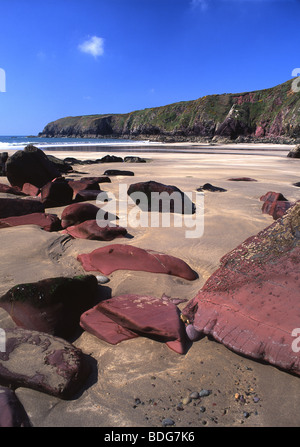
{"x": 264, "y": 114}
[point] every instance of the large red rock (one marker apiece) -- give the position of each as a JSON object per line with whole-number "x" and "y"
{"x": 92, "y": 231}
{"x": 48, "y": 222}
{"x": 125, "y": 257}
{"x": 251, "y": 303}
{"x": 137, "y": 315}
{"x": 19, "y": 207}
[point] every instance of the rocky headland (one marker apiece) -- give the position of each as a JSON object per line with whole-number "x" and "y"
{"x": 265, "y": 116}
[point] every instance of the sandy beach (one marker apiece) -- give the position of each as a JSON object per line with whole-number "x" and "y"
{"x": 140, "y": 382}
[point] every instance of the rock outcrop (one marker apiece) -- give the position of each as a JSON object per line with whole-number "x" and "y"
{"x": 263, "y": 115}
{"x": 251, "y": 303}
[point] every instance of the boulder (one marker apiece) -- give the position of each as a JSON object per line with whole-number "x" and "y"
{"x": 153, "y": 189}
{"x": 295, "y": 152}
{"x": 12, "y": 413}
{"x": 131, "y": 159}
{"x": 125, "y": 257}
{"x": 297, "y": 184}
{"x": 86, "y": 195}
{"x": 52, "y": 305}
{"x": 83, "y": 185}
{"x": 77, "y": 213}
{"x": 275, "y": 204}
{"x": 251, "y": 303}
{"x": 115, "y": 172}
{"x": 111, "y": 159}
{"x": 58, "y": 192}
{"x": 48, "y": 222}
{"x": 128, "y": 316}
{"x": 209, "y": 187}
{"x": 60, "y": 165}
{"x": 3, "y": 159}
{"x": 19, "y": 207}
{"x": 30, "y": 165}
{"x": 101, "y": 179}
{"x": 42, "y": 362}
{"x": 92, "y": 231}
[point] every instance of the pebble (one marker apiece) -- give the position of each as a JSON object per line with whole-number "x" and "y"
{"x": 246, "y": 414}
{"x": 192, "y": 333}
{"x": 204, "y": 393}
{"x": 256, "y": 399}
{"x": 194, "y": 395}
{"x": 101, "y": 279}
{"x": 167, "y": 421}
{"x": 186, "y": 400}
{"x": 202, "y": 409}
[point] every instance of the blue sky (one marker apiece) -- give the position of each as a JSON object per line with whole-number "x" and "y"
{"x": 80, "y": 57}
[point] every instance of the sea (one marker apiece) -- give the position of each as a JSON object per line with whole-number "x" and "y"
{"x": 14, "y": 143}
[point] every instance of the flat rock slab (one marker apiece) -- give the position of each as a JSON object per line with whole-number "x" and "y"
{"x": 46, "y": 221}
{"x": 12, "y": 413}
{"x": 242, "y": 179}
{"x": 211, "y": 188}
{"x": 19, "y": 207}
{"x": 125, "y": 257}
{"x": 52, "y": 305}
{"x": 251, "y": 303}
{"x": 115, "y": 172}
{"x": 127, "y": 316}
{"x": 42, "y": 362}
{"x": 11, "y": 190}
{"x": 92, "y": 231}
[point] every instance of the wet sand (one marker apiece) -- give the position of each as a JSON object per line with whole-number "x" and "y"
{"x": 140, "y": 382}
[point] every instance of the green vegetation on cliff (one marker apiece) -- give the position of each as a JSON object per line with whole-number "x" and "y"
{"x": 269, "y": 113}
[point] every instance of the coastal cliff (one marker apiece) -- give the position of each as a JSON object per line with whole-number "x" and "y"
{"x": 264, "y": 115}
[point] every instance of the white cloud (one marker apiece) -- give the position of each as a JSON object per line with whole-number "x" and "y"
{"x": 93, "y": 46}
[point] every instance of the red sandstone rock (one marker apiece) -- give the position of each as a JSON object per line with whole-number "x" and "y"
{"x": 11, "y": 190}
{"x": 77, "y": 213}
{"x": 137, "y": 315}
{"x": 42, "y": 362}
{"x": 30, "y": 189}
{"x": 125, "y": 257}
{"x": 92, "y": 231}
{"x": 12, "y": 413}
{"x": 48, "y": 222}
{"x": 275, "y": 204}
{"x": 56, "y": 193}
{"x": 19, "y": 207}
{"x": 251, "y": 303}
